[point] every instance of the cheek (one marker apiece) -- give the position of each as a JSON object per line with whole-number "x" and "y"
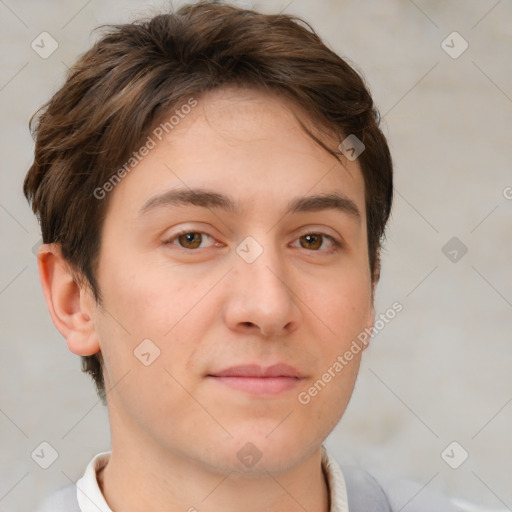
{"x": 147, "y": 331}
{"x": 157, "y": 304}
{"x": 150, "y": 300}
{"x": 342, "y": 309}
{"x": 342, "y": 304}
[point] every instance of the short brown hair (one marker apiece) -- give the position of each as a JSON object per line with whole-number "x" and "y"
{"x": 137, "y": 73}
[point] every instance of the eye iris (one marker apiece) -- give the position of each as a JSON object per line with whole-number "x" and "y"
{"x": 313, "y": 241}
{"x": 190, "y": 240}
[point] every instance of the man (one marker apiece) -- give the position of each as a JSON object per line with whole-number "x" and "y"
{"x": 213, "y": 189}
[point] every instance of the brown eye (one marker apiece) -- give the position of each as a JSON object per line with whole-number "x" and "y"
{"x": 190, "y": 240}
{"x": 311, "y": 241}
{"x": 319, "y": 242}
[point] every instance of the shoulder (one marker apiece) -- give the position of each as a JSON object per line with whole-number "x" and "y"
{"x": 63, "y": 500}
{"x": 401, "y": 494}
{"x": 363, "y": 491}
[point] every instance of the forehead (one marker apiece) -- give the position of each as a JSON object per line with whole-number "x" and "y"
{"x": 246, "y": 142}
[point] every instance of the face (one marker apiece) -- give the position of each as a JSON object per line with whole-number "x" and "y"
{"x": 237, "y": 244}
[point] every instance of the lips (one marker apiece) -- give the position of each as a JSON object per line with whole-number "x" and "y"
{"x": 254, "y": 370}
{"x": 258, "y": 380}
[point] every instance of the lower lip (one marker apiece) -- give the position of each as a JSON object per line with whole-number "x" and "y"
{"x": 260, "y": 385}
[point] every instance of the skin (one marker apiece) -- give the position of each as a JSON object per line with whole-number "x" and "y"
{"x": 175, "y": 431}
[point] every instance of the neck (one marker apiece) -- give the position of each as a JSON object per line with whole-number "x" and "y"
{"x": 137, "y": 480}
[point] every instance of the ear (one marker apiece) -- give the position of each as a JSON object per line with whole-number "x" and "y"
{"x": 71, "y": 306}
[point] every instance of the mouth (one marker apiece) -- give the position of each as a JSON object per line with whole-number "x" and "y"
{"x": 258, "y": 380}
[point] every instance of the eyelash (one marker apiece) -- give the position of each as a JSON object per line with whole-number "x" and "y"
{"x": 336, "y": 244}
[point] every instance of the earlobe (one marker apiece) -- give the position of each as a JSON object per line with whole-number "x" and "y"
{"x": 69, "y": 304}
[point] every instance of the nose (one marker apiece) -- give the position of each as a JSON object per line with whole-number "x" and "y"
{"x": 261, "y": 297}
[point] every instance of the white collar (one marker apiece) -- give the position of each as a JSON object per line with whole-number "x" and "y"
{"x": 91, "y": 499}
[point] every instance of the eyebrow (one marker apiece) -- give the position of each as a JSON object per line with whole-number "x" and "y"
{"x": 209, "y": 199}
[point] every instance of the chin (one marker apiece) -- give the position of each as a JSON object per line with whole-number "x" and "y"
{"x": 274, "y": 451}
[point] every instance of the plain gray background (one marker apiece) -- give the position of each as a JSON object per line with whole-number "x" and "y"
{"x": 437, "y": 373}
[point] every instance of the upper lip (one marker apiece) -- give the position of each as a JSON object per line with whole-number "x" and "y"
{"x": 255, "y": 370}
